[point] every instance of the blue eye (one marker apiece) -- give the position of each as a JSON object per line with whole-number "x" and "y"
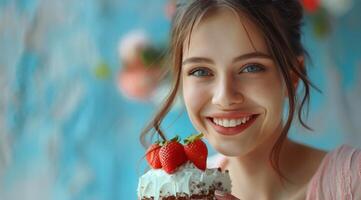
{"x": 252, "y": 68}
{"x": 200, "y": 72}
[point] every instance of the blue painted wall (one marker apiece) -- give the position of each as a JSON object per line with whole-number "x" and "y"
{"x": 65, "y": 133}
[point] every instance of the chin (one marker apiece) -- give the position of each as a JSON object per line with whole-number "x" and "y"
{"x": 227, "y": 148}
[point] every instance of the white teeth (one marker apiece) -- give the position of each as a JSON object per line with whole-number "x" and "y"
{"x": 225, "y": 123}
{"x": 230, "y": 122}
{"x": 243, "y": 120}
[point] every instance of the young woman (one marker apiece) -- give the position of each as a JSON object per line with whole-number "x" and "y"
{"x": 238, "y": 65}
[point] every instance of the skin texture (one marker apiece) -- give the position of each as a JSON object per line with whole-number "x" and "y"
{"x": 215, "y": 82}
{"x": 228, "y": 86}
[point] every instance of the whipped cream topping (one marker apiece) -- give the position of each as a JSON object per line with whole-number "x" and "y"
{"x": 188, "y": 179}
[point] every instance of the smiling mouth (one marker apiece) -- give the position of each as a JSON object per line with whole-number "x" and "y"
{"x": 232, "y": 126}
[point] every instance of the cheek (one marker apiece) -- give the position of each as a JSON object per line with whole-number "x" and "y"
{"x": 195, "y": 99}
{"x": 270, "y": 96}
{"x": 189, "y": 93}
{"x": 193, "y": 95}
{"x": 268, "y": 93}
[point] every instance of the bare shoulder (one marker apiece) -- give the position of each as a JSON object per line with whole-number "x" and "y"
{"x": 308, "y": 154}
{"x": 302, "y": 164}
{"x": 303, "y": 161}
{"x": 313, "y": 157}
{"x": 314, "y": 153}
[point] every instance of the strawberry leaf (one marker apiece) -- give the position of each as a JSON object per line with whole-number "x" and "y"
{"x": 175, "y": 139}
{"x": 192, "y": 138}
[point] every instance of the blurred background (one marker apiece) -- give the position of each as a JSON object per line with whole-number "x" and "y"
{"x": 79, "y": 80}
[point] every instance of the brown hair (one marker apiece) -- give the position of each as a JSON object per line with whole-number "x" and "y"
{"x": 280, "y": 22}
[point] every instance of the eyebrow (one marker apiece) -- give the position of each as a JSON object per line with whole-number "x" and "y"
{"x": 236, "y": 59}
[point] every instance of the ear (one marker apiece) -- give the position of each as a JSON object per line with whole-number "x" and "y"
{"x": 295, "y": 79}
{"x": 301, "y": 65}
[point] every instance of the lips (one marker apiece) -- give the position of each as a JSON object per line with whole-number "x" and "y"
{"x": 232, "y": 124}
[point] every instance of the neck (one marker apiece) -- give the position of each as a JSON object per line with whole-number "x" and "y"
{"x": 255, "y": 173}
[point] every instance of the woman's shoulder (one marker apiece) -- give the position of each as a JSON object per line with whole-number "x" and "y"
{"x": 338, "y": 176}
{"x": 345, "y": 149}
{"x": 345, "y": 157}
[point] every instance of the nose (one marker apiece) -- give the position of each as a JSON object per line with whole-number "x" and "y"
{"x": 227, "y": 94}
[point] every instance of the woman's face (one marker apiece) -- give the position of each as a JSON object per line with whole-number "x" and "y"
{"x": 233, "y": 91}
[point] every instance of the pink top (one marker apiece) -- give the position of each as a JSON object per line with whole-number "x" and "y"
{"x": 337, "y": 178}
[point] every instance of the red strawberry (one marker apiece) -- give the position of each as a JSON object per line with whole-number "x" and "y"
{"x": 196, "y": 151}
{"x": 172, "y": 155}
{"x": 152, "y": 156}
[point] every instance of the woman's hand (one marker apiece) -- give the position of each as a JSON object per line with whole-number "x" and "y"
{"x": 224, "y": 196}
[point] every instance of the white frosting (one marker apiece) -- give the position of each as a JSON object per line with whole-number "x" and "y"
{"x": 185, "y": 180}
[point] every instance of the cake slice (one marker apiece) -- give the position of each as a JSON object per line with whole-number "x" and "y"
{"x": 188, "y": 179}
